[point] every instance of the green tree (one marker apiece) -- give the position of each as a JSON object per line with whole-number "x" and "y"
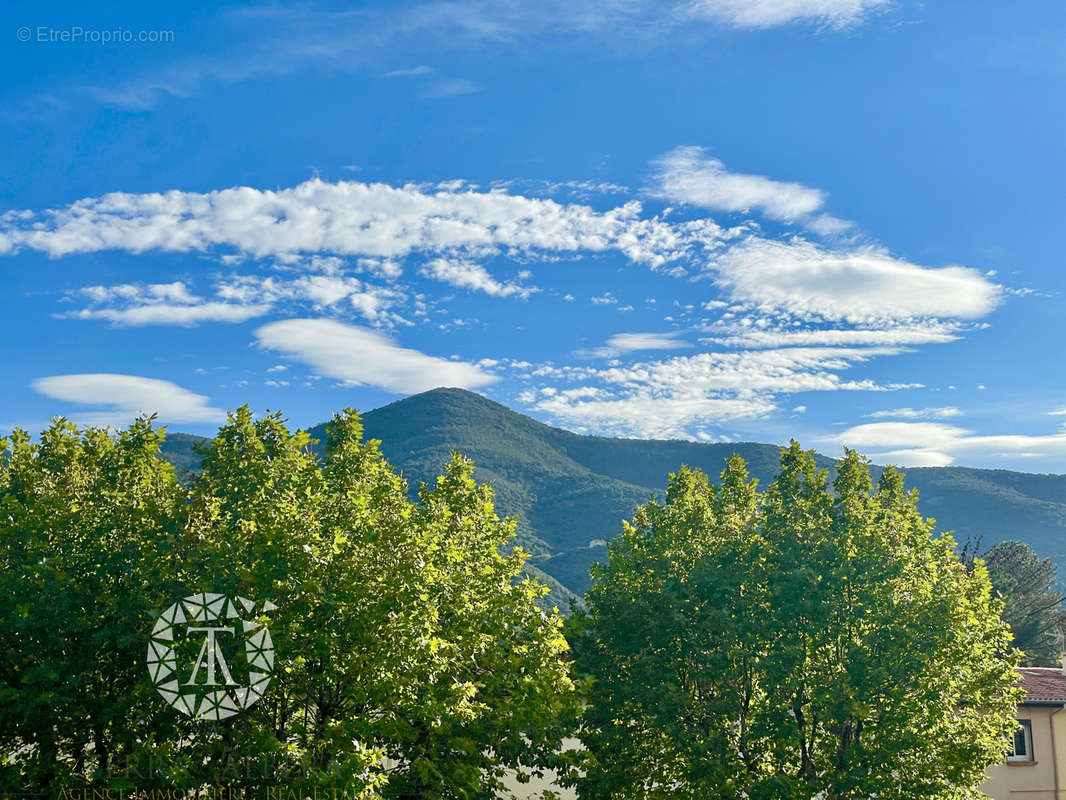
{"x": 416, "y": 656}
{"x": 1031, "y": 604}
{"x": 87, "y": 527}
{"x": 412, "y": 659}
{"x": 813, "y": 640}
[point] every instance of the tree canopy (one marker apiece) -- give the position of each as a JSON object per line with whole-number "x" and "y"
{"x": 814, "y": 640}
{"x": 413, "y": 659}
{"x": 1032, "y": 604}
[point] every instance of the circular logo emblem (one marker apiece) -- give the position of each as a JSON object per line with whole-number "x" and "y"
{"x": 210, "y": 656}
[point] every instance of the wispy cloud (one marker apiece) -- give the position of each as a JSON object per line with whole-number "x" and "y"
{"x": 238, "y": 298}
{"x": 271, "y": 41}
{"x": 860, "y": 285}
{"x": 689, "y": 175}
{"x": 772, "y": 13}
{"x": 172, "y": 314}
{"x": 935, "y": 444}
{"x": 158, "y": 304}
{"x": 468, "y": 275}
{"x": 631, "y": 342}
{"x": 689, "y": 396}
{"x": 937, "y": 412}
{"x": 422, "y": 69}
{"x": 889, "y": 334}
{"x": 333, "y": 292}
{"x": 363, "y": 357}
{"x": 792, "y": 315}
{"x": 622, "y": 343}
{"x": 605, "y": 299}
{"x": 123, "y": 397}
{"x": 449, "y": 88}
{"x": 350, "y": 218}
{"x": 377, "y": 221}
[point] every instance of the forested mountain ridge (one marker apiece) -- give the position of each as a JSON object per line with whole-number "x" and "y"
{"x": 571, "y": 492}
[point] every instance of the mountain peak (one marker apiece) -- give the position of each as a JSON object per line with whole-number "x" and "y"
{"x": 571, "y": 492}
{"x": 452, "y": 394}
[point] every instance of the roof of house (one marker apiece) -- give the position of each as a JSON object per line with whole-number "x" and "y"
{"x": 1043, "y": 684}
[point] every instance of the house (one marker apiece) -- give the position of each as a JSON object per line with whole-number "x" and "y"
{"x": 1035, "y": 769}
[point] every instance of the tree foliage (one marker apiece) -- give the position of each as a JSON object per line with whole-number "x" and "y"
{"x": 86, "y": 527}
{"x": 809, "y": 641}
{"x": 412, "y": 657}
{"x": 1032, "y": 605}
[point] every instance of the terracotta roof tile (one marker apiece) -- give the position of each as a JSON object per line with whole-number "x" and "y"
{"x": 1043, "y": 684}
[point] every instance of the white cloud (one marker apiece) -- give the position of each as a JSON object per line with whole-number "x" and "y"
{"x": 468, "y": 275}
{"x": 126, "y": 396}
{"x": 685, "y": 396}
{"x": 175, "y": 292}
{"x": 333, "y": 292}
{"x": 647, "y": 415}
{"x": 920, "y": 332}
{"x": 827, "y": 225}
{"x": 858, "y": 286}
{"x": 622, "y": 343}
{"x": 799, "y": 313}
{"x": 168, "y": 314}
{"x": 939, "y": 412}
{"x": 1057, "y": 412}
{"x": 772, "y": 13}
{"x": 237, "y": 298}
{"x": 629, "y": 342}
{"x": 449, "y": 88}
{"x": 159, "y": 304}
{"x": 421, "y": 69}
{"x": 364, "y": 357}
{"x": 939, "y": 444}
{"x": 689, "y": 175}
{"x": 916, "y": 457}
{"x": 268, "y": 41}
{"x": 349, "y": 218}
{"x": 786, "y": 371}
{"x": 453, "y": 229}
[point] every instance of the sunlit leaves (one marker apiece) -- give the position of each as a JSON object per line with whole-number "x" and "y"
{"x": 814, "y": 640}
{"x": 412, "y": 658}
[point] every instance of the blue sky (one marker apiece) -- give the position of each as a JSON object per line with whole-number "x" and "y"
{"x": 835, "y": 220}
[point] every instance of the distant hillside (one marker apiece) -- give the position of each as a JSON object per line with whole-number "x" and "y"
{"x": 570, "y": 492}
